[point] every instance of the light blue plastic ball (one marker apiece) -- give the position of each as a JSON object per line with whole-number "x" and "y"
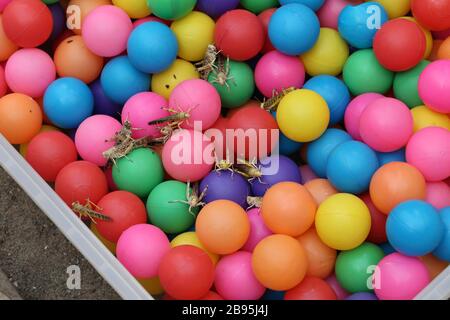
{"x": 286, "y": 146}
{"x": 414, "y": 228}
{"x": 120, "y": 80}
{"x": 294, "y": 29}
{"x": 335, "y": 93}
{"x": 319, "y": 150}
{"x": 351, "y": 166}
{"x": 313, "y": 4}
{"x": 359, "y": 24}
{"x": 395, "y": 156}
{"x": 67, "y": 102}
{"x": 152, "y": 47}
{"x": 443, "y": 249}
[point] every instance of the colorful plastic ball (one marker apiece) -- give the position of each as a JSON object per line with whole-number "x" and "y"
{"x": 30, "y": 30}
{"x": 358, "y": 24}
{"x": 67, "y": 102}
{"x": 328, "y": 55}
{"x": 222, "y": 227}
{"x": 265, "y": 17}
{"x": 294, "y": 29}
{"x": 438, "y": 194}
{"x": 211, "y": 295}
{"x": 30, "y": 71}
{"x": 258, "y": 229}
{"x": 190, "y": 238}
{"x": 328, "y": 13}
{"x": 3, "y": 85}
{"x": 313, "y": 4}
{"x": 414, "y": 228}
{"x": 81, "y": 181}
{"x": 257, "y": 6}
{"x": 406, "y": 85}
{"x": 152, "y": 285}
{"x": 320, "y": 189}
{"x": 20, "y": 118}
{"x": 433, "y": 15}
{"x": 394, "y": 156}
{"x": 121, "y": 80}
{"x": 133, "y": 251}
{"x": 168, "y": 10}
{"x": 24, "y": 146}
{"x": 7, "y": 47}
{"x": 311, "y": 288}
{"x": 395, "y": 9}
{"x": 286, "y": 146}
{"x": 428, "y": 37}
{"x": 78, "y": 10}
{"x": 444, "y": 49}
{"x": 242, "y": 285}
{"x": 341, "y": 293}
{"x": 378, "y": 221}
{"x": 429, "y": 151}
{"x": 363, "y": 73}
{"x": 401, "y": 277}
{"x": 103, "y": 104}
{"x": 95, "y": 136}
{"x": 307, "y": 173}
{"x": 354, "y": 110}
{"x": 239, "y": 35}
{"x": 362, "y": 296}
{"x": 434, "y": 86}
{"x": 336, "y": 232}
{"x": 279, "y": 262}
{"x": 111, "y": 246}
{"x": 216, "y": 8}
{"x": 134, "y": 8}
{"x": 3, "y": 4}
{"x": 434, "y": 265}
{"x": 442, "y": 251}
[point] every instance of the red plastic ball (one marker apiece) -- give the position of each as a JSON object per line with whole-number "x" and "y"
{"x": 311, "y": 288}
{"x": 378, "y": 222}
{"x": 49, "y": 152}
{"x": 264, "y": 17}
{"x": 27, "y": 23}
{"x": 186, "y": 273}
{"x": 239, "y": 34}
{"x": 399, "y": 45}
{"x": 125, "y": 210}
{"x": 432, "y": 14}
{"x": 211, "y": 295}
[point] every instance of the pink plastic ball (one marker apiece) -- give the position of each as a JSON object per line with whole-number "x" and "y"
{"x": 198, "y": 98}
{"x": 386, "y": 125}
{"x": 105, "y": 30}
{"x": 94, "y": 136}
{"x": 400, "y": 277}
{"x": 3, "y": 85}
{"x": 142, "y": 108}
{"x": 30, "y": 71}
{"x": 306, "y": 173}
{"x": 188, "y": 155}
{"x": 328, "y": 14}
{"x": 438, "y": 194}
{"x": 354, "y": 111}
{"x": 258, "y": 230}
{"x": 235, "y": 279}
{"x": 429, "y": 151}
{"x": 434, "y": 86}
{"x": 3, "y": 4}
{"x": 141, "y": 248}
{"x": 341, "y": 293}
{"x": 276, "y": 71}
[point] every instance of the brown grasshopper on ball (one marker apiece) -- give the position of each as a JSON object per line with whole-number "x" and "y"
{"x": 272, "y": 103}
{"x": 193, "y": 199}
{"x": 88, "y": 210}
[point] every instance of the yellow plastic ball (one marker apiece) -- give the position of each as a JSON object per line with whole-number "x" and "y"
{"x": 163, "y": 83}
{"x": 152, "y": 285}
{"x": 343, "y": 221}
{"x": 108, "y": 244}
{"x": 23, "y": 148}
{"x": 395, "y": 8}
{"x": 190, "y": 238}
{"x": 303, "y": 115}
{"x": 135, "y": 9}
{"x": 425, "y": 117}
{"x": 194, "y": 33}
{"x": 328, "y": 55}
{"x": 428, "y": 37}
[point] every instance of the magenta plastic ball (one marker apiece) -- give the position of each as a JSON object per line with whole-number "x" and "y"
{"x": 438, "y": 194}
{"x": 94, "y": 136}
{"x": 198, "y": 98}
{"x": 142, "y": 108}
{"x": 400, "y": 277}
{"x": 328, "y": 14}
{"x": 134, "y": 252}
{"x": 258, "y": 229}
{"x": 235, "y": 279}
{"x": 276, "y": 71}
{"x": 106, "y": 29}
{"x": 434, "y": 86}
{"x": 30, "y": 71}
{"x": 354, "y": 111}
{"x": 306, "y": 173}
{"x": 429, "y": 151}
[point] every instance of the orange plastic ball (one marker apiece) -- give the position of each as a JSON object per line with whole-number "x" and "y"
{"x": 20, "y": 118}
{"x": 320, "y": 189}
{"x": 434, "y": 265}
{"x": 288, "y": 208}
{"x": 73, "y": 59}
{"x": 279, "y": 262}
{"x": 77, "y": 10}
{"x": 7, "y": 47}
{"x": 434, "y": 51}
{"x": 396, "y": 182}
{"x": 222, "y": 226}
{"x": 444, "y": 49}
{"x": 321, "y": 258}
{"x": 311, "y": 288}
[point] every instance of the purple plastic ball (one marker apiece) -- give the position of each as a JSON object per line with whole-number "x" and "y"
{"x": 59, "y": 20}
{"x": 102, "y": 104}
{"x": 216, "y": 8}
{"x": 226, "y": 185}
{"x": 362, "y": 296}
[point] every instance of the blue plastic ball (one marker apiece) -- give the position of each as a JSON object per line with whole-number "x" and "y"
{"x": 351, "y": 166}
{"x": 273, "y": 295}
{"x": 120, "y": 80}
{"x": 313, "y": 4}
{"x": 443, "y": 249}
{"x": 319, "y": 150}
{"x": 395, "y": 156}
{"x": 414, "y": 228}
{"x": 152, "y": 47}
{"x": 286, "y": 146}
{"x": 359, "y": 24}
{"x": 335, "y": 93}
{"x": 67, "y": 102}
{"x": 387, "y": 248}
{"x": 294, "y": 29}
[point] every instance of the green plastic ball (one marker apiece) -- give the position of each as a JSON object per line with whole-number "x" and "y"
{"x": 171, "y": 9}
{"x": 50, "y": 1}
{"x": 258, "y": 6}
{"x": 139, "y": 172}
{"x": 165, "y": 209}
{"x": 363, "y": 73}
{"x": 354, "y": 268}
{"x": 239, "y": 87}
{"x": 405, "y": 85}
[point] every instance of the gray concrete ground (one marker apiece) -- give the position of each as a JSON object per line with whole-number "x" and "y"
{"x": 34, "y": 255}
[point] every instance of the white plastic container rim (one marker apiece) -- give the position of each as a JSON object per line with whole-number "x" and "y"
{"x": 96, "y": 253}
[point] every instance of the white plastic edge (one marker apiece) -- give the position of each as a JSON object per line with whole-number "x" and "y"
{"x": 70, "y": 225}
{"x": 438, "y": 289}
